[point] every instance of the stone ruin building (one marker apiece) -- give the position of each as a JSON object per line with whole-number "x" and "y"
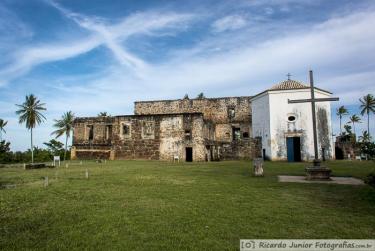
{"x": 346, "y": 147}
{"x": 264, "y": 125}
{"x": 186, "y": 129}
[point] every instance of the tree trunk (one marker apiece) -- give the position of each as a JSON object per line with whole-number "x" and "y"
{"x": 368, "y": 123}
{"x": 66, "y": 144}
{"x": 355, "y": 136}
{"x": 340, "y": 126}
{"x": 32, "y": 148}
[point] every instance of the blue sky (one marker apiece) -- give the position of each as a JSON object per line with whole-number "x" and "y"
{"x": 93, "y": 56}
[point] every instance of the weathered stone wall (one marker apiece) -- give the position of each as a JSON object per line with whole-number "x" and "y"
{"x": 214, "y": 109}
{"x": 171, "y": 137}
{"x": 241, "y": 149}
{"x": 80, "y": 135}
{"x": 97, "y": 148}
{"x": 149, "y": 137}
{"x": 223, "y": 112}
{"x": 137, "y": 145}
{"x": 93, "y": 154}
{"x": 346, "y": 147}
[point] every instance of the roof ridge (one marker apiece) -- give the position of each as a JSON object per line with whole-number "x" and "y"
{"x": 289, "y": 84}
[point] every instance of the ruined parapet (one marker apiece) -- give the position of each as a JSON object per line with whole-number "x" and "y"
{"x": 218, "y": 110}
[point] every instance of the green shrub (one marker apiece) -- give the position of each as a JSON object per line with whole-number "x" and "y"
{"x": 370, "y": 179}
{"x": 368, "y": 148}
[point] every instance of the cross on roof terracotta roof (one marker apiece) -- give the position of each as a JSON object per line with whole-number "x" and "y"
{"x": 289, "y": 85}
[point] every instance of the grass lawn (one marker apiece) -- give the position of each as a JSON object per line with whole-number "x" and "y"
{"x": 149, "y": 205}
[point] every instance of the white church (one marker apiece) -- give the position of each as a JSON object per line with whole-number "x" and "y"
{"x": 287, "y": 129}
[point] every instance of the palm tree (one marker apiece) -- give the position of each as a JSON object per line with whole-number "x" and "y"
{"x": 354, "y": 119}
{"x": 30, "y": 112}
{"x": 64, "y": 126}
{"x": 367, "y": 106}
{"x": 3, "y": 123}
{"x": 365, "y": 137}
{"x": 341, "y": 111}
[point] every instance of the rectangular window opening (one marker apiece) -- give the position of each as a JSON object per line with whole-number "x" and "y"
{"x": 187, "y": 135}
{"x": 231, "y": 112}
{"x": 236, "y": 133}
{"x": 90, "y": 129}
{"x": 125, "y": 130}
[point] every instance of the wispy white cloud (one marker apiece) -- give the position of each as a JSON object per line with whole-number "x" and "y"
{"x": 140, "y": 23}
{"x": 29, "y": 57}
{"x": 13, "y": 32}
{"x": 250, "y": 69}
{"x": 229, "y": 23}
{"x": 101, "y": 34}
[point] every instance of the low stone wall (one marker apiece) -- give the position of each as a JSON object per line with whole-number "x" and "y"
{"x": 138, "y": 149}
{"x": 241, "y": 149}
{"x": 92, "y": 154}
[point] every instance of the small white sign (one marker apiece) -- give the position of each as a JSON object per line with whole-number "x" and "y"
{"x": 56, "y": 158}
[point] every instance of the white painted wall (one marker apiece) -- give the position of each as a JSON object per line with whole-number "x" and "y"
{"x": 261, "y": 121}
{"x": 272, "y": 122}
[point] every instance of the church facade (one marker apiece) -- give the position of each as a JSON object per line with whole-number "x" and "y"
{"x": 286, "y": 129}
{"x": 207, "y": 129}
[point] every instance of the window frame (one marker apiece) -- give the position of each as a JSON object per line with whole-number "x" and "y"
{"x": 90, "y": 132}
{"x": 128, "y": 134}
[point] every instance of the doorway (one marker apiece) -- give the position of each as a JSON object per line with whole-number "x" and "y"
{"x": 189, "y": 154}
{"x": 264, "y": 154}
{"x": 293, "y": 145}
{"x": 339, "y": 153}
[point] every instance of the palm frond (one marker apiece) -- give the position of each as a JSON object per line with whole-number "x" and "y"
{"x": 3, "y": 123}
{"x": 367, "y": 104}
{"x": 29, "y": 112}
{"x": 64, "y": 125}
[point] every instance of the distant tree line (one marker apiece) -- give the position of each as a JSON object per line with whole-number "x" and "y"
{"x": 364, "y": 141}
{"x": 53, "y": 148}
{"x": 367, "y": 106}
